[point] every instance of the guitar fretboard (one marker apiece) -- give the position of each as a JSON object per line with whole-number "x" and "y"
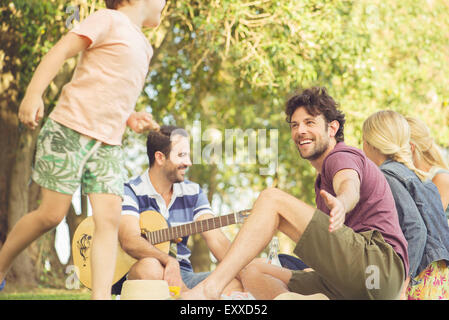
{"x": 163, "y": 235}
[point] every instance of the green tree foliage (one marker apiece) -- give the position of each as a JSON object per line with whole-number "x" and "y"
{"x": 232, "y": 64}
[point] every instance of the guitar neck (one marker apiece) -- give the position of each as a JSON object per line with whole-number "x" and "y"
{"x": 163, "y": 235}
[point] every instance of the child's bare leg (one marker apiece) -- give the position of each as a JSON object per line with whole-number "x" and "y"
{"x": 53, "y": 208}
{"x": 273, "y": 209}
{"x": 106, "y": 213}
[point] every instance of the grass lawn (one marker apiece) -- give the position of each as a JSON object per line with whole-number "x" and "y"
{"x": 46, "y": 294}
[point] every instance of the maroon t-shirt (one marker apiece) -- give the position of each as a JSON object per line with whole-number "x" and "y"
{"x": 376, "y": 209}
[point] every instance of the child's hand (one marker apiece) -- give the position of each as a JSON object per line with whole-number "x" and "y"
{"x": 142, "y": 121}
{"x": 31, "y": 110}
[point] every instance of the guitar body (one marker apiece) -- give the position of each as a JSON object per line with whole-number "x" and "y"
{"x": 82, "y": 242}
{"x": 152, "y": 221}
{"x": 154, "y": 227}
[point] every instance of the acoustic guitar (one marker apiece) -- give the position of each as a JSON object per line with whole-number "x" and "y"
{"x": 153, "y": 227}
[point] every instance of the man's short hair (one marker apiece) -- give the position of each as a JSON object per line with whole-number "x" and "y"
{"x": 317, "y": 101}
{"x": 161, "y": 141}
{"x": 114, "y": 4}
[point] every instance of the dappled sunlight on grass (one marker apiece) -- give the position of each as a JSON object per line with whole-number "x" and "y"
{"x": 46, "y": 294}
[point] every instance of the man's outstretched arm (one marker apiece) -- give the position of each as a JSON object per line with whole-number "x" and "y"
{"x": 346, "y": 184}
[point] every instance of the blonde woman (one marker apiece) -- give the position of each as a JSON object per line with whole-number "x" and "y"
{"x": 386, "y": 141}
{"x": 427, "y": 156}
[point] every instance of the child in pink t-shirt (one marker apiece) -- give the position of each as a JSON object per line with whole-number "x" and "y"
{"x": 81, "y": 140}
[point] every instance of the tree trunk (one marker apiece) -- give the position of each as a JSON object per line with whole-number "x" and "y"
{"x": 18, "y": 194}
{"x": 8, "y": 142}
{"x": 17, "y": 149}
{"x": 23, "y": 268}
{"x": 9, "y": 132}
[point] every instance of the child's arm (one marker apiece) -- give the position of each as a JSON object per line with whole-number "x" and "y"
{"x": 31, "y": 109}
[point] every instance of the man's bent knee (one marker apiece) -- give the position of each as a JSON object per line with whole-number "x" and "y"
{"x": 270, "y": 193}
{"x": 252, "y": 269}
{"x": 147, "y": 269}
{"x": 250, "y": 274}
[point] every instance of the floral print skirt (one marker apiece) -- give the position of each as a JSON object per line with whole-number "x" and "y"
{"x": 433, "y": 283}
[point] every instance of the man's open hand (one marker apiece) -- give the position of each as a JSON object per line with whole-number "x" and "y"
{"x": 337, "y": 210}
{"x": 172, "y": 273}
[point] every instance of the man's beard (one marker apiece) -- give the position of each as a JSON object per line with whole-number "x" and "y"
{"x": 172, "y": 175}
{"x": 318, "y": 151}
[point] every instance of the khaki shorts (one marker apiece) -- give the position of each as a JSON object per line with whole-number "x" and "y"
{"x": 346, "y": 264}
{"x": 65, "y": 159}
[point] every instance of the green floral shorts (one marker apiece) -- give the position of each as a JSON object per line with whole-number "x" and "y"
{"x": 65, "y": 159}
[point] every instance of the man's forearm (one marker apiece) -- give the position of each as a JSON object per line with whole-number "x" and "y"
{"x": 139, "y": 248}
{"x": 348, "y": 194}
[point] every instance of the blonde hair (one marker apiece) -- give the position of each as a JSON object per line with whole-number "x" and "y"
{"x": 389, "y": 132}
{"x": 425, "y": 146}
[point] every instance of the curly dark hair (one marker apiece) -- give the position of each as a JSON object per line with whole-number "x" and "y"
{"x": 317, "y": 101}
{"x": 114, "y": 4}
{"x": 161, "y": 141}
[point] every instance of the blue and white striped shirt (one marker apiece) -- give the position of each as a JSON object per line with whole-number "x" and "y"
{"x": 188, "y": 202}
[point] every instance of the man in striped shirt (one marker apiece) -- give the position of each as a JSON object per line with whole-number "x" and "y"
{"x": 162, "y": 188}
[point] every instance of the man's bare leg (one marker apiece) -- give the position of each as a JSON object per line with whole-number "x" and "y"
{"x": 149, "y": 269}
{"x": 146, "y": 269}
{"x": 273, "y": 210}
{"x": 234, "y": 286}
{"x": 265, "y": 281}
{"x": 52, "y": 210}
{"x": 106, "y": 210}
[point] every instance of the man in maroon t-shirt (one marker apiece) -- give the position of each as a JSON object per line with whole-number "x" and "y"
{"x": 352, "y": 242}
